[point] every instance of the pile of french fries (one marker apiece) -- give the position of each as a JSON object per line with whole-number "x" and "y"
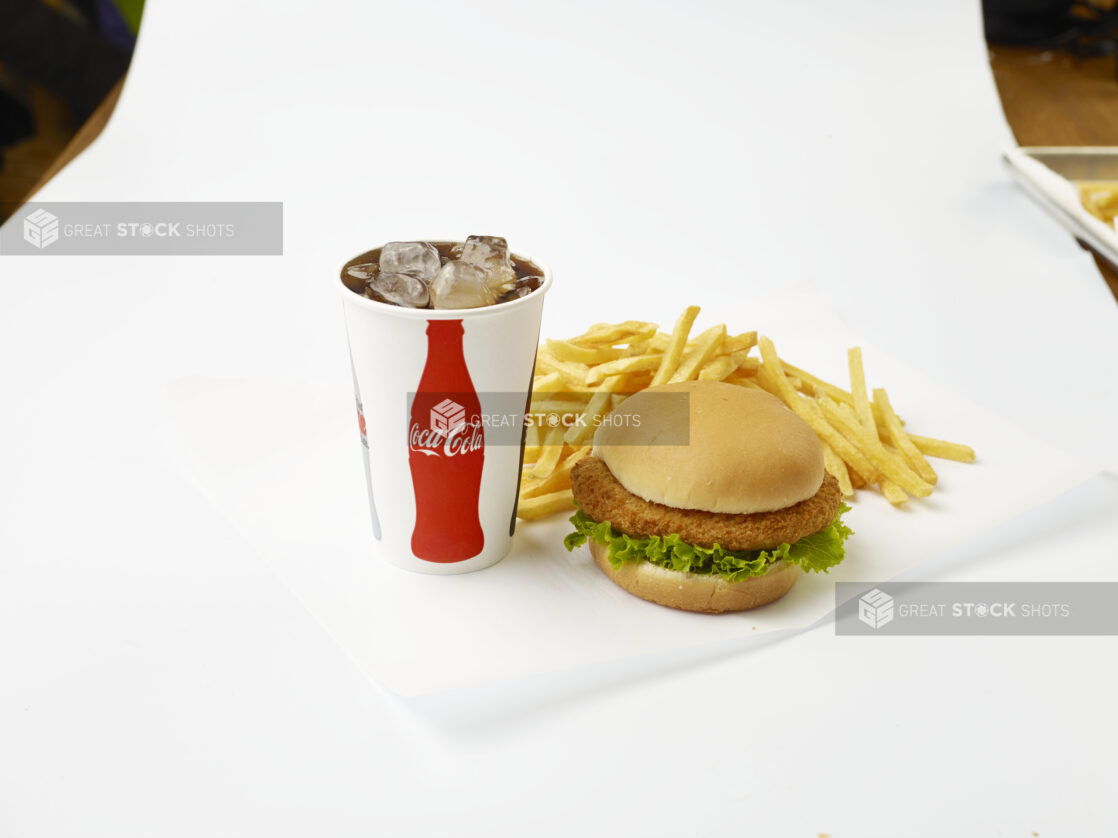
{"x": 1100, "y": 198}
{"x": 864, "y": 442}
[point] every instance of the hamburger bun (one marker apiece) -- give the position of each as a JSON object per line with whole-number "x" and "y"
{"x": 742, "y": 469}
{"x": 747, "y": 451}
{"x": 702, "y": 592}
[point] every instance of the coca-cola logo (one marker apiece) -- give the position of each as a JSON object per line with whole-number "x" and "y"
{"x": 463, "y": 439}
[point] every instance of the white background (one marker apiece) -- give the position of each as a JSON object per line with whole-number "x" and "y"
{"x": 155, "y": 677}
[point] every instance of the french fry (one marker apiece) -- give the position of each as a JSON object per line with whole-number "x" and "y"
{"x": 550, "y": 450}
{"x": 569, "y": 351}
{"x": 637, "y": 347}
{"x": 943, "y": 449}
{"x": 764, "y": 380}
{"x": 597, "y": 407}
{"x": 744, "y": 381}
{"x": 635, "y": 363}
{"x": 1100, "y": 198}
{"x": 729, "y": 367}
{"x": 858, "y": 388}
{"x": 559, "y": 479}
{"x": 639, "y": 339}
{"x": 567, "y": 405}
{"x": 850, "y": 453}
{"x": 889, "y": 465}
{"x": 541, "y": 506}
{"x": 809, "y": 411}
{"x": 571, "y": 373}
{"x": 737, "y": 343}
{"x": 657, "y": 343}
{"x": 718, "y": 369}
{"x": 745, "y": 364}
{"x": 844, "y": 410}
{"x": 833, "y": 463}
{"x": 546, "y": 383}
{"x": 893, "y": 493}
{"x": 531, "y": 442}
{"x": 636, "y": 381}
{"x": 675, "y": 347}
{"x": 693, "y": 359}
{"x": 896, "y": 434}
{"x": 817, "y": 386}
{"x": 612, "y": 333}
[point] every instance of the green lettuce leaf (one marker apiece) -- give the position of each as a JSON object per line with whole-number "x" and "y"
{"x": 818, "y": 552}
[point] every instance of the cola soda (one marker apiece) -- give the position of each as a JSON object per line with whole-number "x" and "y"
{"x": 441, "y": 482}
{"x": 446, "y": 451}
{"x": 480, "y": 271}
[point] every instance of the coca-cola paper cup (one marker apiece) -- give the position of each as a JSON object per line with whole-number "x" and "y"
{"x": 441, "y": 399}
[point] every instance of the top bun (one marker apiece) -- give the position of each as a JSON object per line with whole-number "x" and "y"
{"x": 747, "y": 452}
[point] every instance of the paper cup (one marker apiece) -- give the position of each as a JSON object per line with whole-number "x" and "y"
{"x": 441, "y": 399}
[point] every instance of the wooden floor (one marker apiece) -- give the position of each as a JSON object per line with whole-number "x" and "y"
{"x": 1055, "y": 99}
{"x": 1049, "y": 98}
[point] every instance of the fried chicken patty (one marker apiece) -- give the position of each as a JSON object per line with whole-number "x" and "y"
{"x": 603, "y": 498}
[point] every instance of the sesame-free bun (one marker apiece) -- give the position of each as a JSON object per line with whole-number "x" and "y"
{"x": 747, "y": 452}
{"x": 707, "y": 593}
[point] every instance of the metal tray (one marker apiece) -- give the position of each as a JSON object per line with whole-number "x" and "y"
{"x": 1051, "y": 185}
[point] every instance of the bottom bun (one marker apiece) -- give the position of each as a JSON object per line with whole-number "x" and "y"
{"x": 704, "y": 592}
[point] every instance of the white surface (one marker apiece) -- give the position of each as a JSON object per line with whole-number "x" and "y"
{"x": 303, "y": 514}
{"x": 158, "y": 680}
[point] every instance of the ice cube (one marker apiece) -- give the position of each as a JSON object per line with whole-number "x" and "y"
{"x": 412, "y": 258}
{"x": 364, "y": 272}
{"x": 501, "y": 278}
{"x": 400, "y": 289}
{"x": 479, "y": 249}
{"x": 461, "y": 285}
{"x": 523, "y": 286}
{"x": 491, "y": 254}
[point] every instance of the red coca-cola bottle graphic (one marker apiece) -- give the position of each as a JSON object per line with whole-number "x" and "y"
{"x": 446, "y": 443}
